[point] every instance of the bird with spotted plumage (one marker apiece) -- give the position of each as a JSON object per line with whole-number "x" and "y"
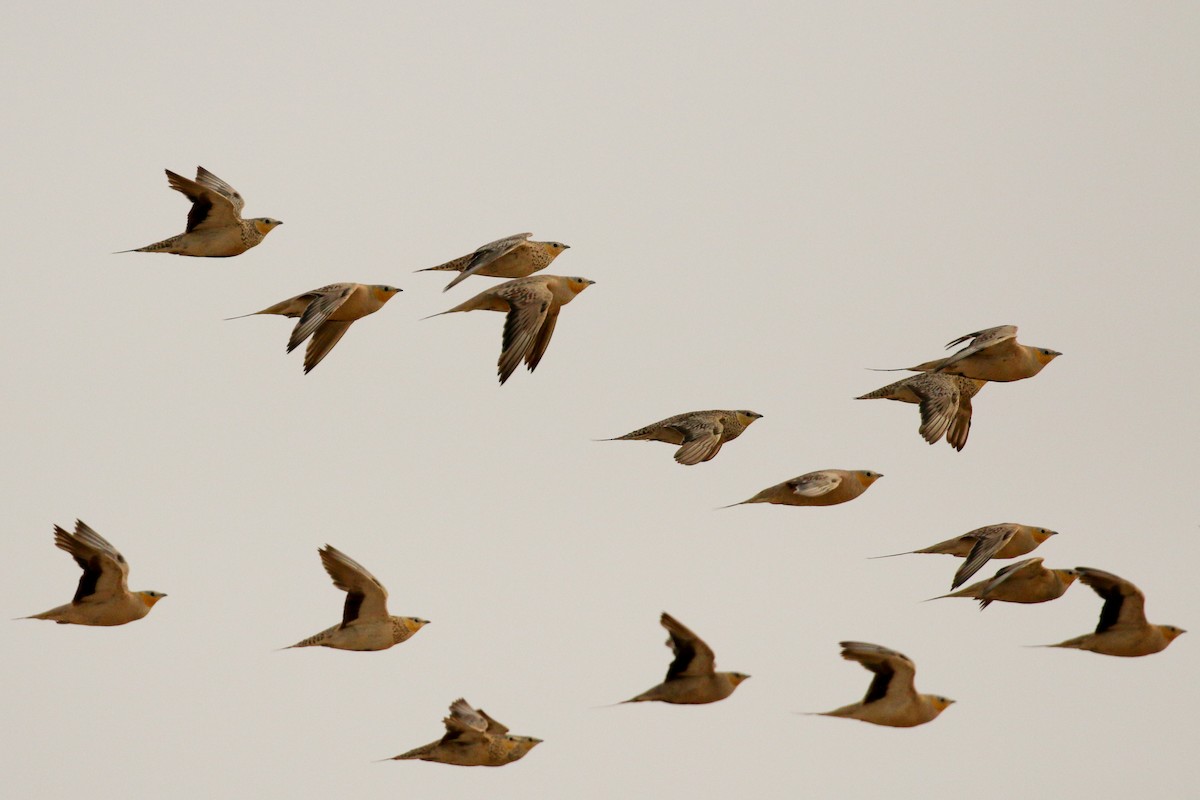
{"x": 326, "y": 314}
{"x": 944, "y": 402}
{"x": 215, "y": 228}
{"x": 472, "y": 739}
{"x": 511, "y": 257}
{"x": 366, "y": 624}
{"x": 1123, "y": 629}
{"x": 892, "y": 698}
{"x": 531, "y": 307}
{"x": 692, "y": 678}
{"x": 103, "y": 596}
{"x": 700, "y": 434}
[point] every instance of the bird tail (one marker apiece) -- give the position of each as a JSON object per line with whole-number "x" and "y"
{"x": 893, "y": 555}
{"x": 457, "y": 265}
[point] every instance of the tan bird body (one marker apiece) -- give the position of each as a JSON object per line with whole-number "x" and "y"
{"x": 473, "y": 739}
{"x": 992, "y": 355}
{"x": 531, "y": 306}
{"x": 215, "y": 228}
{"x": 326, "y": 314}
{"x": 892, "y": 698}
{"x": 943, "y": 400}
{"x": 511, "y": 257}
{"x": 700, "y": 433}
{"x": 692, "y": 678}
{"x": 1005, "y": 540}
{"x": 103, "y": 596}
{"x": 366, "y": 624}
{"x": 826, "y": 487}
{"x": 1123, "y": 629}
{"x": 1023, "y": 582}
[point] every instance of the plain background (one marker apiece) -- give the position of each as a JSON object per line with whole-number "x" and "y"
{"x": 771, "y": 198}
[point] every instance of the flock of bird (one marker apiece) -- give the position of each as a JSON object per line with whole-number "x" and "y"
{"x": 942, "y": 389}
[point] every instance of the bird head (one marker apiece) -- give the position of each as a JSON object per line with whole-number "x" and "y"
{"x": 521, "y": 745}
{"x": 265, "y": 225}
{"x": 746, "y": 417}
{"x": 940, "y": 703}
{"x": 1042, "y": 534}
{"x": 150, "y": 597}
{"x": 1067, "y": 576}
{"x": 867, "y": 477}
{"x": 577, "y": 285}
{"x": 736, "y": 678}
{"x": 384, "y": 293}
{"x": 414, "y": 624}
{"x": 554, "y": 248}
{"x": 1171, "y": 632}
{"x": 1044, "y": 355}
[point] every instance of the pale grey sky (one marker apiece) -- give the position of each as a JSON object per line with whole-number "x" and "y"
{"x": 770, "y": 199}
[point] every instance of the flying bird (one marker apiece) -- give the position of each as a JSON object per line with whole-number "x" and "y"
{"x": 103, "y": 596}
{"x": 691, "y": 678}
{"x": 473, "y": 739}
{"x": 827, "y": 487}
{"x": 215, "y": 228}
{"x": 366, "y": 624}
{"x": 1023, "y": 582}
{"x": 511, "y": 257}
{"x": 943, "y": 400}
{"x": 1005, "y": 540}
{"x": 891, "y": 699}
{"x": 531, "y": 305}
{"x": 701, "y": 433}
{"x": 326, "y": 314}
{"x": 1123, "y": 629}
{"x": 992, "y": 355}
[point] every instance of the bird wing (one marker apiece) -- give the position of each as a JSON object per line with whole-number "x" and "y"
{"x": 981, "y": 340}
{"x": 206, "y": 178}
{"x": 210, "y": 208}
{"x": 692, "y": 655}
{"x": 105, "y": 570}
{"x": 960, "y": 428}
{"x": 366, "y": 599}
{"x": 1124, "y": 603}
{"x": 494, "y": 728}
{"x": 323, "y": 341}
{"x": 528, "y": 306}
{"x": 701, "y": 439}
{"x": 326, "y": 300}
{"x": 487, "y": 254}
{"x": 815, "y": 484}
{"x": 464, "y": 723}
{"x": 939, "y": 404}
{"x": 894, "y": 672}
{"x": 988, "y": 541}
{"x": 534, "y": 357}
{"x": 1027, "y": 568}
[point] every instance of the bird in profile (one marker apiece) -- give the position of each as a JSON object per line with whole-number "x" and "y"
{"x": 511, "y": 257}
{"x": 326, "y": 314}
{"x": 701, "y": 433}
{"x": 1023, "y": 582}
{"x": 1123, "y": 629}
{"x": 993, "y": 354}
{"x": 366, "y": 624}
{"x": 692, "y": 678}
{"x": 1005, "y": 540}
{"x": 827, "y": 487}
{"x": 473, "y": 739}
{"x": 103, "y": 596}
{"x": 215, "y": 228}
{"x": 891, "y": 699}
{"x": 943, "y": 400}
{"x": 531, "y": 306}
